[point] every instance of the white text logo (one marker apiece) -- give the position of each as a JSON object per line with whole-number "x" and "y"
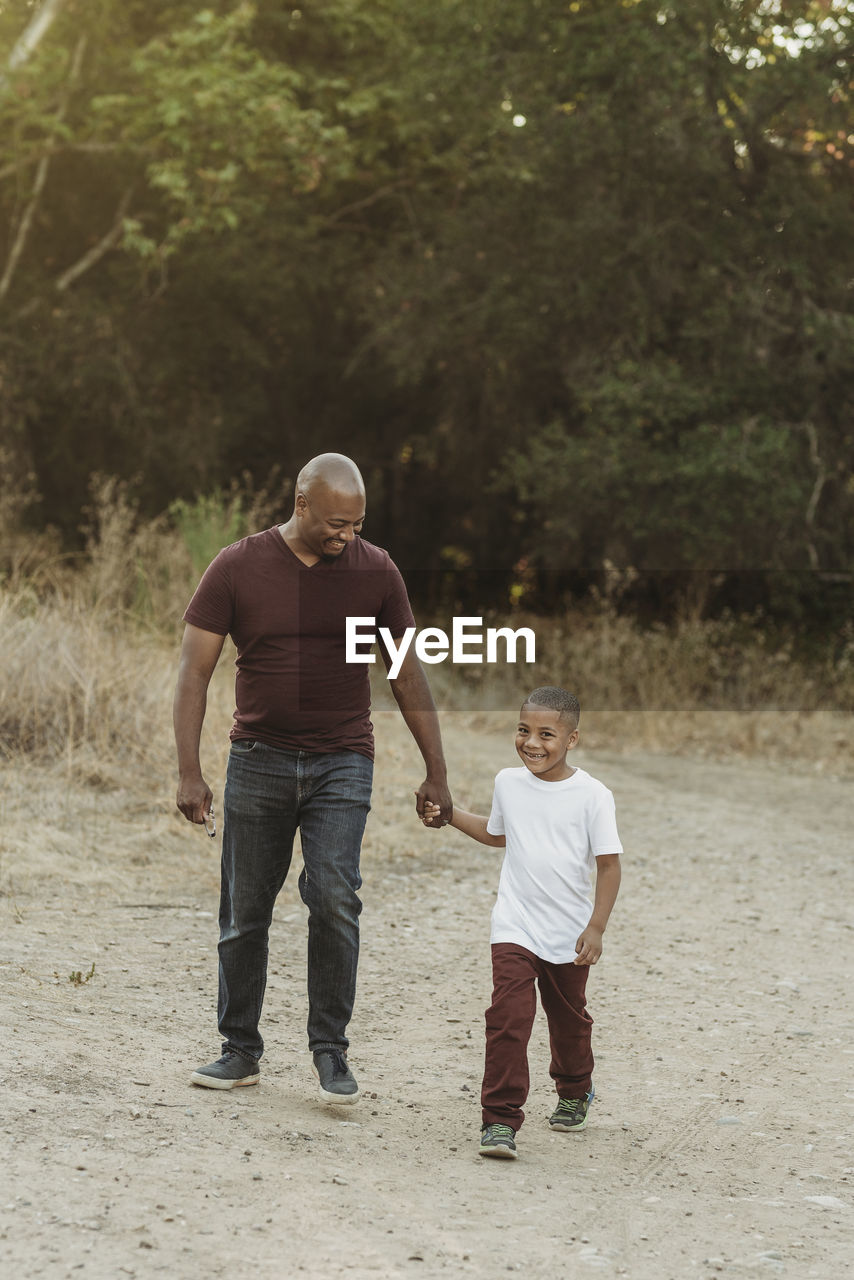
{"x": 432, "y": 644}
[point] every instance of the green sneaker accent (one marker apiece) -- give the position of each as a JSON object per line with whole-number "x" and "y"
{"x": 570, "y": 1114}
{"x": 498, "y": 1140}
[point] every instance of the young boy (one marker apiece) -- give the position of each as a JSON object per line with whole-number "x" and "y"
{"x": 554, "y": 821}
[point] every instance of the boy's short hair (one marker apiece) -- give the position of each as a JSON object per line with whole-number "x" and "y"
{"x": 561, "y": 700}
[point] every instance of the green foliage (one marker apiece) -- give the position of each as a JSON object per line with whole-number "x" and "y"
{"x": 209, "y": 523}
{"x": 79, "y": 979}
{"x": 646, "y": 479}
{"x": 593, "y": 257}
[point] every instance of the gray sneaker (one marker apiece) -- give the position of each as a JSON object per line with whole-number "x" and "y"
{"x": 228, "y": 1072}
{"x": 570, "y": 1115}
{"x": 498, "y": 1140}
{"x": 337, "y": 1082}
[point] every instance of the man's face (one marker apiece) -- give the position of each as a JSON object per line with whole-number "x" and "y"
{"x": 542, "y": 741}
{"x": 329, "y": 520}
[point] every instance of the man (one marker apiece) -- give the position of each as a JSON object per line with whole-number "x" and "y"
{"x": 301, "y": 753}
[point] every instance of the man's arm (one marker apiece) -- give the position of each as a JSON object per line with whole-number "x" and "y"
{"x": 200, "y": 651}
{"x": 413, "y": 697}
{"x": 589, "y": 944}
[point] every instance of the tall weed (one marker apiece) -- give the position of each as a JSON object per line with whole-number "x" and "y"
{"x": 209, "y": 523}
{"x": 614, "y": 664}
{"x": 90, "y": 647}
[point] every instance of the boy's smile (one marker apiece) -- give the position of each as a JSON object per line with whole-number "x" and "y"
{"x": 542, "y": 741}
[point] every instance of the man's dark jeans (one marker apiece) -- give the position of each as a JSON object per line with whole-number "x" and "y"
{"x": 268, "y": 794}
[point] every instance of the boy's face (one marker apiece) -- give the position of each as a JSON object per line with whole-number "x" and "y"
{"x": 542, "y": 741}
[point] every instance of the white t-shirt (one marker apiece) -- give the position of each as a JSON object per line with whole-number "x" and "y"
{"x": 554, "y": 832}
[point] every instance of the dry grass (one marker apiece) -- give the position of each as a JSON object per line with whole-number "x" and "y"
{"x": 90, "y": 646}
{"x": 730, "y": 664}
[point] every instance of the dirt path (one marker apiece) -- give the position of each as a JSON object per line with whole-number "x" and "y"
{"x": 720, "y": 1142}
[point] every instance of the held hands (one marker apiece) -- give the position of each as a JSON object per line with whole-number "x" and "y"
{"x": 434, "y": 793}
{"x": 589, "y": 946}
{"x": 431, "y": 814}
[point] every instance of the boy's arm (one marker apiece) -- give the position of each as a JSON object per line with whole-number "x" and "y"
{"x": 471, "y": 824}
{"x": 589, "y": 944}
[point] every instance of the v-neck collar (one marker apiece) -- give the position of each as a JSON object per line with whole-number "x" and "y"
{"x": 319, "y": 563}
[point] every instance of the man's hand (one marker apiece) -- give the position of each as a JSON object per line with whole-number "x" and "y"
{"x": 434, "y": 792}
{"x": 589, "y": 946}
{"x": 199, "y": 653}
{"x": 194, "y": 798}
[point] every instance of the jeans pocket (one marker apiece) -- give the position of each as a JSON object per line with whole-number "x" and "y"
{"x": 242, "y": 746}
{"x": 357, "y": 775}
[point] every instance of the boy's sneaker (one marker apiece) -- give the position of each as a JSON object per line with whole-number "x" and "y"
{"x": 227, "y": 1072}
{"x": 337, "y": 1082}
{"x": 570, "y": 1115}
{"x": 498, "y": 1140}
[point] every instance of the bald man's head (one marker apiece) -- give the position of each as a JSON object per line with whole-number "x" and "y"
{"x": 333, "y": 472}
{"x": 329, "y": 506}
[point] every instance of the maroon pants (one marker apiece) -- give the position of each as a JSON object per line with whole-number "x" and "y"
{"x": 509, "y": 1021}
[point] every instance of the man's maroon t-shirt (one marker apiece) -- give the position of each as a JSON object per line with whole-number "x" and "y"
{"x": 294, "y": 688}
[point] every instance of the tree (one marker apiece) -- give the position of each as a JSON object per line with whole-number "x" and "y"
{"x": 569, "y": 279}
